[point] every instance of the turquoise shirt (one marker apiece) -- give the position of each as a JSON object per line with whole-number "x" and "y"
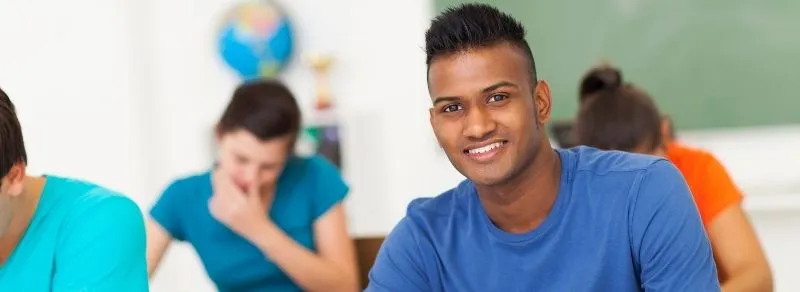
{"x": 306, "y": 189}
{"x": 82, "y": 238}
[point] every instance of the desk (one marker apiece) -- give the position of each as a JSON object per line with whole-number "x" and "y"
{"x": 366, "y": 250}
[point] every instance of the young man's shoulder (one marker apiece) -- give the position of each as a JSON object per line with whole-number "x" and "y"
{"x": 614, "y": 177}
{"x": 100, "y": 243}
{"x": 601, "y": 162}
{"x": 426, "y": 217}
{"x": 446, "y": 204}
{"x": 606, "y": 165}
{"x": 79, "y": 198}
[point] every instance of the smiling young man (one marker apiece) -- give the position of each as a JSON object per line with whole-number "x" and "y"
{"x": 530, "y": 218}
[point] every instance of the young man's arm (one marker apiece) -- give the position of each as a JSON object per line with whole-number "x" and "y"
{"x": 102, "y": 247}
{"x": 667, "y": 235}
{"x": 398, "y": 266}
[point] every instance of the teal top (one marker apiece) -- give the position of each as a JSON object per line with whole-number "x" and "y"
{"x": 82, "y": 237}
{"x": 307, "y": 188}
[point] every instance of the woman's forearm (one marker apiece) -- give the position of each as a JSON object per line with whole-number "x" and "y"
{"x": 307, "y": 269}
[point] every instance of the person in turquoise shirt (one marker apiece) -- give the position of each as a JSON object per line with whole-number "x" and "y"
{"x": 262, "y": 219}
{"x": 63, "y": 234}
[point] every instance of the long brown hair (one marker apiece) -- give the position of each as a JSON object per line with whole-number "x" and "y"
{"x": 615, "y": 115}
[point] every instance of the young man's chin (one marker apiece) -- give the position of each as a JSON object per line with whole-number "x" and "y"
{"x": 487, "y": 177}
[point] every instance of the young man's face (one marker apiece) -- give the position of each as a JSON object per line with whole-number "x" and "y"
{"x": 486, "y": 114}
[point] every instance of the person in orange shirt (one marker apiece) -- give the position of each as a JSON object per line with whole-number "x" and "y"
{"x": 615, "y": 115}
{"x": 713, "y": 188}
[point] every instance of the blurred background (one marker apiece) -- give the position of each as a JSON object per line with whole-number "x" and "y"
{"x": 126, "y": 92}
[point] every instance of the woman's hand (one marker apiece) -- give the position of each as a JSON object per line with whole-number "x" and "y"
{"x": 244, "y": 212}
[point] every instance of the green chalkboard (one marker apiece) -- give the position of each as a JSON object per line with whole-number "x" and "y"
{"x": 707, "y": 63}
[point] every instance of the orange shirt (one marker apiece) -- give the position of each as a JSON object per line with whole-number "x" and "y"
{"x": 711, "y": 186}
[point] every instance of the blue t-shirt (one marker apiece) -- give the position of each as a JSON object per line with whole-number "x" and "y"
{"x": 82, "y": 237}
{"x": 621, "y": 222}
{"x": 306, "y": 189}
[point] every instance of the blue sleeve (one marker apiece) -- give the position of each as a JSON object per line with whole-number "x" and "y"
{"x": 670, "y": 245}
{"x": 166, "y": 211}
{"x": 103, "y": 247}
{"x": 399, "y": 266}
{"x": 330, "y": 187}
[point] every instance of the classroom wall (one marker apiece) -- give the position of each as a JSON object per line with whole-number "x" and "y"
{"x": 77, "y": 88}
{"x": 691, "y": 56}
{"x": 125, "y": 92}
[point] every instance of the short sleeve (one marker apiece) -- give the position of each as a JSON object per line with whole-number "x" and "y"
{"x": 166, "y": 211}
{"x": 102, "y": 247}
{"x": 399, "y": 265}
{"x": 669, "y": 244}
{"x": 330, "y": 188}
{"x": 717, "y": 192}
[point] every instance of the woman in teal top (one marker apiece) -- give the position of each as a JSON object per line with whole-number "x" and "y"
{"x": 262, "y": 219}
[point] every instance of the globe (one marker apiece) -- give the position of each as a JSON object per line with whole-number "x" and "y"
{"x": 256, "y": 40}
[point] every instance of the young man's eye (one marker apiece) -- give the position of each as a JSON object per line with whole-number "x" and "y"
{"x": 451, "y": 108}
{"x": 497, "y": 97}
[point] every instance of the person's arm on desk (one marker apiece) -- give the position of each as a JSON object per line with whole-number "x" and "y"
{"x": 158, "y": 241}
{"x": 741, "y": 262}
{"x": 165, "y": 224}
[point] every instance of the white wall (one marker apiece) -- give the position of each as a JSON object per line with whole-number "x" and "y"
{"x": 126, "y": 95}
{"x": 77, "y": 95}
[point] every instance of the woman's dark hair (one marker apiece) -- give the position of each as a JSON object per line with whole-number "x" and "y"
{"x": 615, "y": 115}
{"x": 599, "y": 79}
{"x": 265, "y": 108}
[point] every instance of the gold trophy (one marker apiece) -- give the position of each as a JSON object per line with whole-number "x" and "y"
{"x": 321, "y": 64}
{"x": 323, "y": 127}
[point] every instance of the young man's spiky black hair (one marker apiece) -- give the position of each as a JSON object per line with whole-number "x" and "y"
{"x": 471, "y": 26}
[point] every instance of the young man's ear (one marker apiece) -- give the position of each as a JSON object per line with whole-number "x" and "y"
{"x": 13, "y": 182}
{"x": 542, "y": 101}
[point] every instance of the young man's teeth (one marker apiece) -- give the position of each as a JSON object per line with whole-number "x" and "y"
{"x": 486, "y": 148}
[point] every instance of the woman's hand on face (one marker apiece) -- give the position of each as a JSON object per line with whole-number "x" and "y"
{"x": 244, "y": 212}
